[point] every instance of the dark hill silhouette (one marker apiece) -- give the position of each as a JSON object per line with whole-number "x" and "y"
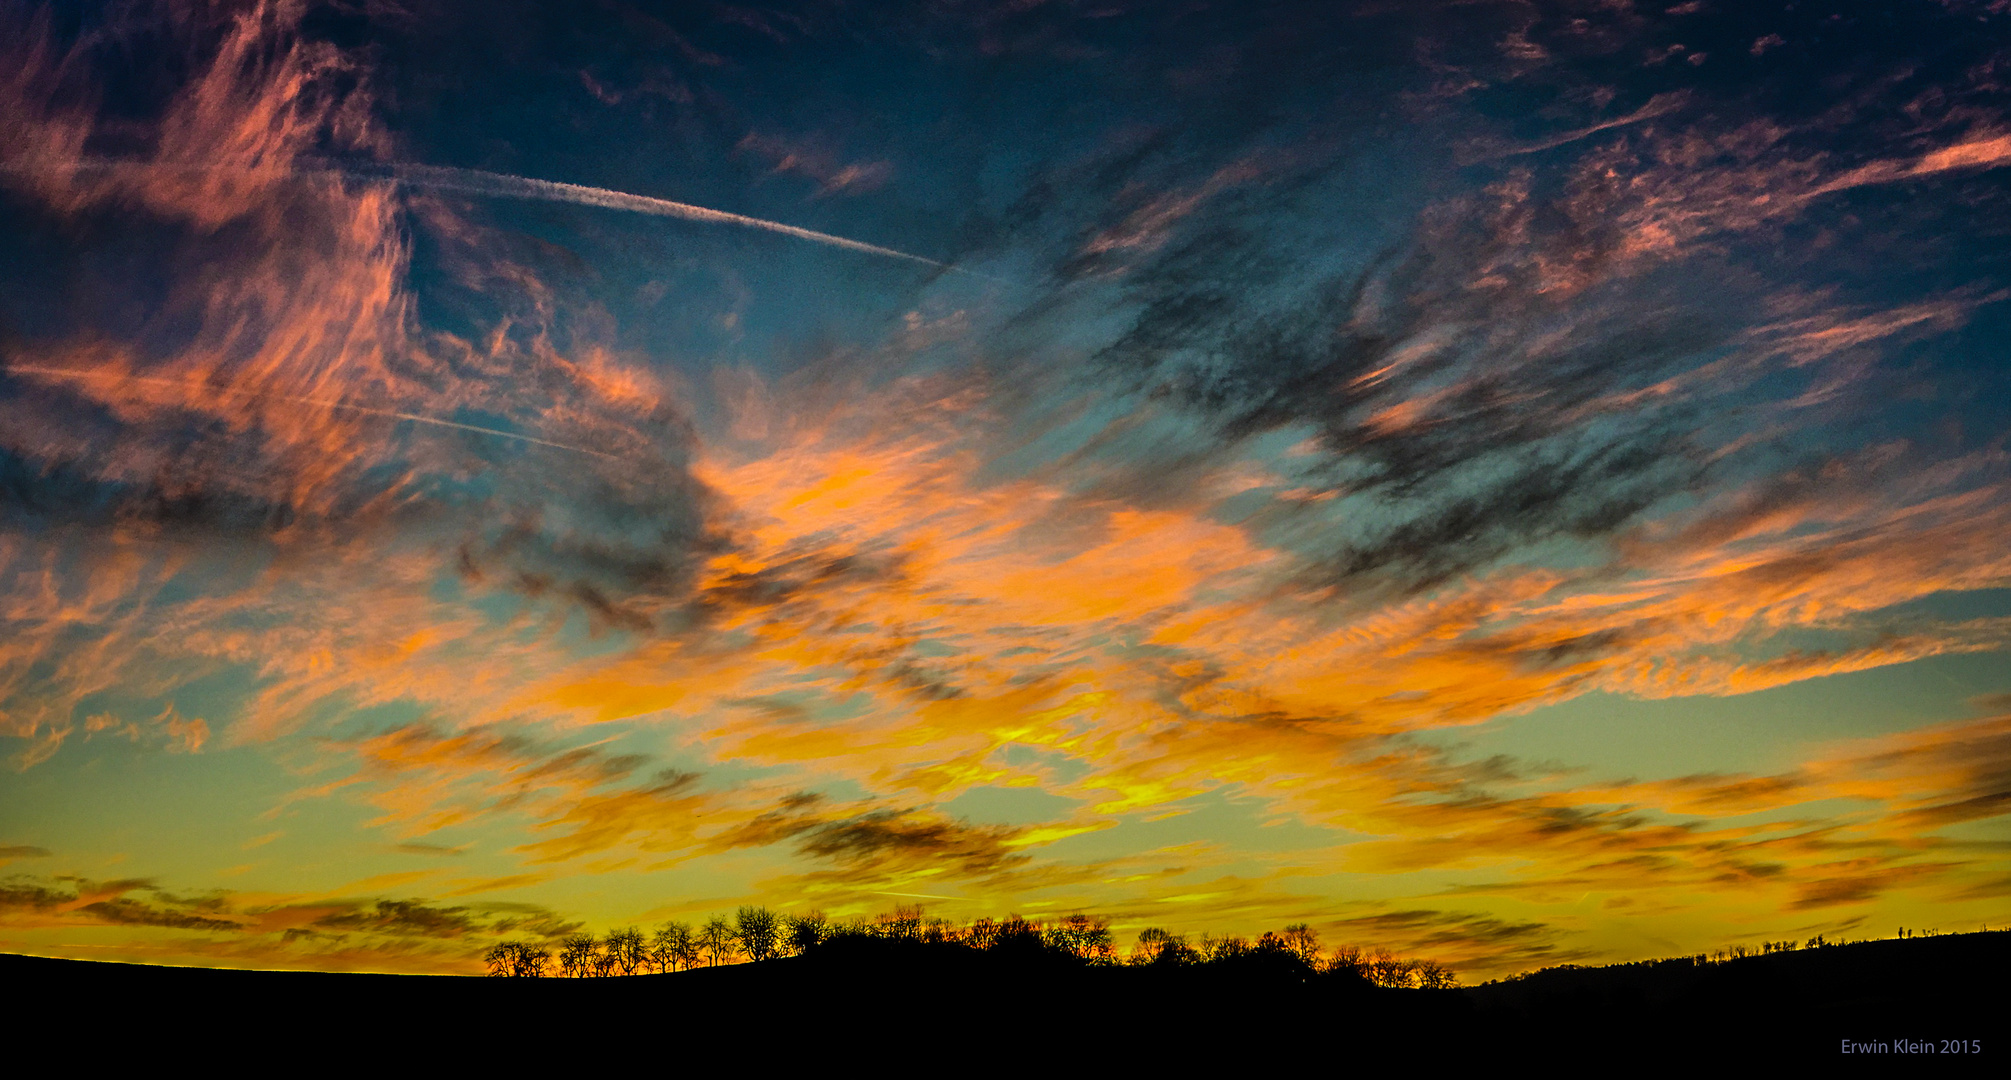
{"x": 1801, "y": 1004}
{"x": 893, "y": 1001}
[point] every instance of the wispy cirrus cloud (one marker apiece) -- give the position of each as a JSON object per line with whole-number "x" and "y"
{"x": 813, "y": 160}
{"x": 334, "y": 933}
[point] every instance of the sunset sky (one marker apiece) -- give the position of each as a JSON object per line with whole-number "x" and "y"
{"x": 1511, "y": 482}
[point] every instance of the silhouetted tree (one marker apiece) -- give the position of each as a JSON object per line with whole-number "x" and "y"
{"x": 603, "y": 963}
{"x": 1388, "y": 970}
{"x": 1346, "y": 959}
{"x": 1303, "y": 942}
{"x": 1084, "y": 938}
{"x": 531, "y": 961}
{"x": 514, "y": 959}
{"x": 578, "y": 954}
{"x": 625, "y": 950}
{"x": 905, "y": 924}
{"x": 673, "y": 947}
{"x": 851, "y": 929}
{"x": 982, "y": 934}
{"x": 716, "y": 939}
{"x": 758, "y": 932}
{"x": 802, "y": 933}
{"x": 1270, "y": 941}
{"x": 1214, "y": 949}
{"x": 1014, "y": 936}
{"x": 1430, "y": 975}
{"x": 501, "y": 958}
{"x": 1157, "y": 946}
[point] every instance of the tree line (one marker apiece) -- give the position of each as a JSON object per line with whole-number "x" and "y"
{"x": 1726, "y": 955}
{"x": 755, "y": 934}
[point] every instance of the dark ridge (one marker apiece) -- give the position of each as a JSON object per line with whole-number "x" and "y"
{"x": 897, "y": 1004}
{"x": 1802, "y": 1004}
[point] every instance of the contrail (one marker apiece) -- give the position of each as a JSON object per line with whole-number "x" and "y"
{"x": 475, "y": 182}
{"x": 338, "y": 406}
{"x": 504, "y": 186}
